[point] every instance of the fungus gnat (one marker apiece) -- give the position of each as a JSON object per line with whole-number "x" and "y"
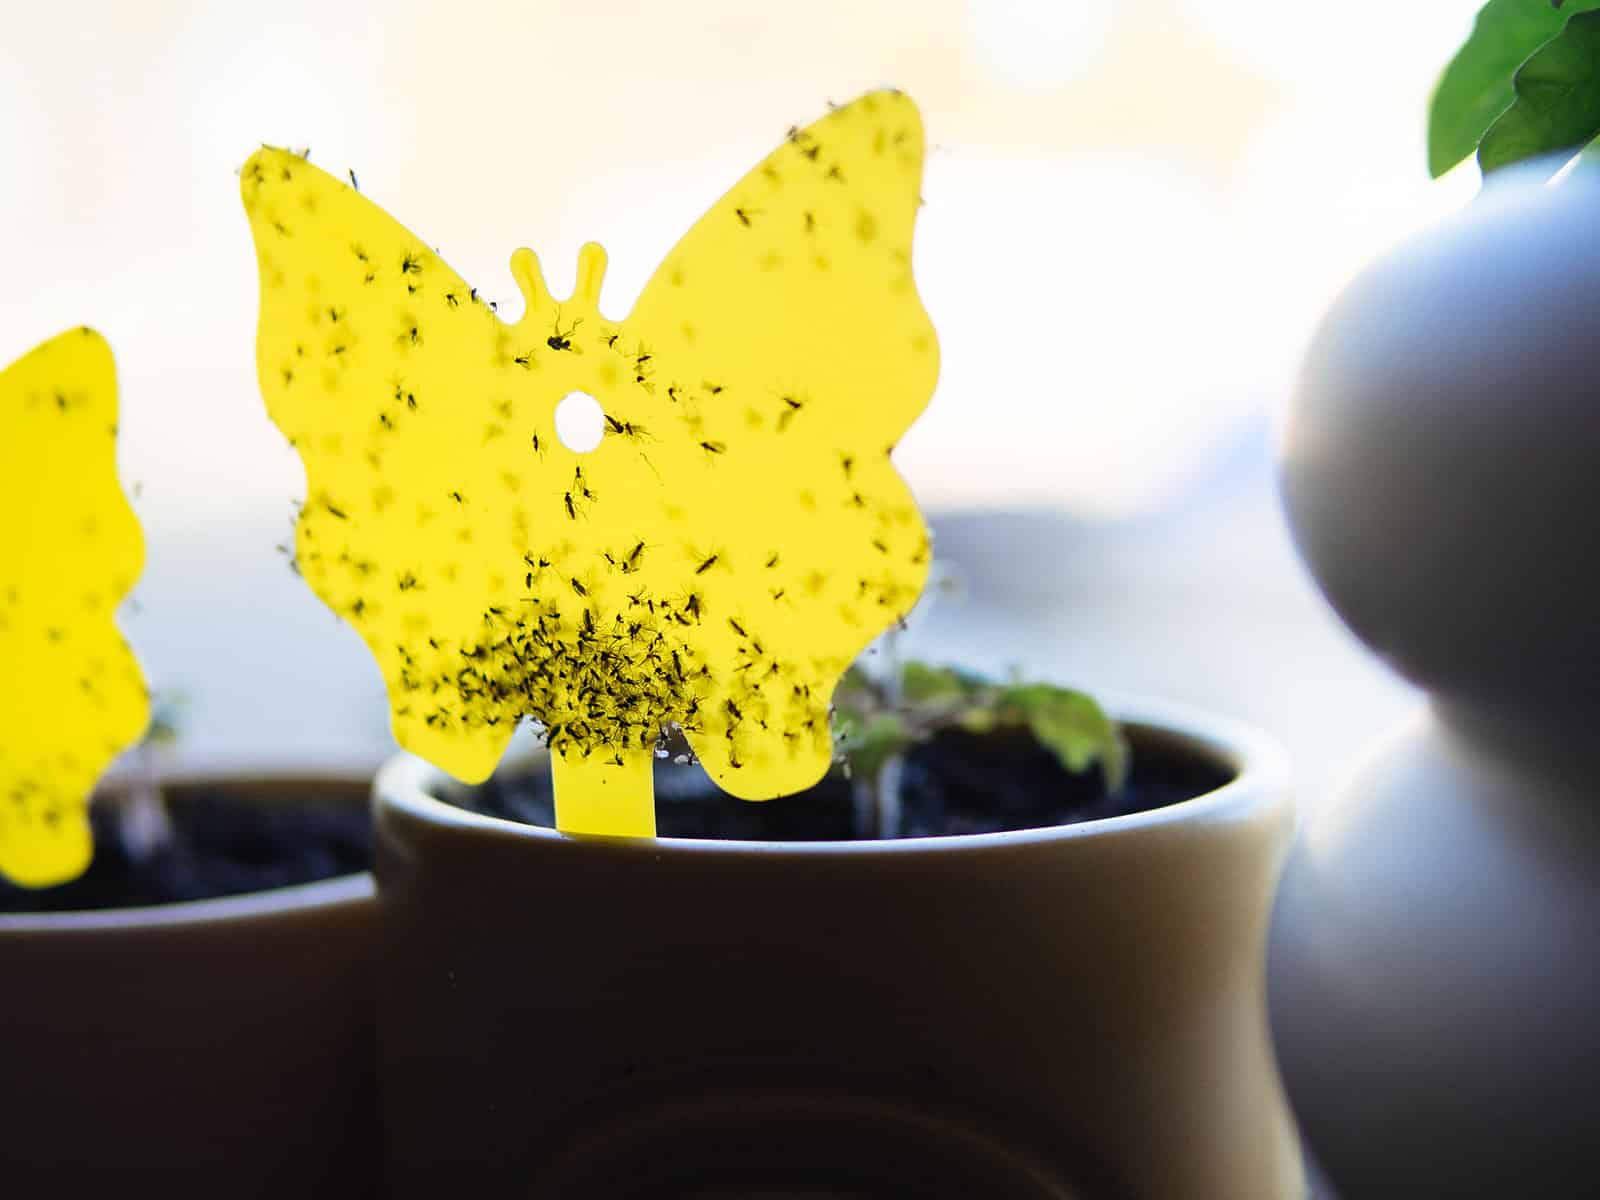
{"x": 559, "y": 340}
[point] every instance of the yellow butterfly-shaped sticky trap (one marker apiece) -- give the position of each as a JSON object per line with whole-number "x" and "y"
{"x": 70, "y": 550}
{"x": 736, "y": 539}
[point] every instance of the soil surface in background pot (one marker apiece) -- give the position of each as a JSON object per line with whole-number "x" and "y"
{"x": 222, "y": 845}
{"x": 955, "y": 783}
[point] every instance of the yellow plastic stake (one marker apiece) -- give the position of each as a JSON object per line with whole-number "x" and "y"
{"x": 70, "y": 549}
{"x": 736, "y": 539}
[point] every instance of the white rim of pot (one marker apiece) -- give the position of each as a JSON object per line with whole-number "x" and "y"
{"x": 1260, "y": 766}
{"x": 244, "y": 906}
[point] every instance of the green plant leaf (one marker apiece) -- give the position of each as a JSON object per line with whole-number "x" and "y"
{"x": 1557, "y": 105}
{"x": 870, "y": 725}
{"x": 1074, "y": 726}
{"x": 1476, "y": 87}
{"x": 873, "y": 742}
{"x": 921, "y": 683}
{"x": 856, "y": 689}
{"x": 847, "y": 723}
{"x": 979, "y": 719}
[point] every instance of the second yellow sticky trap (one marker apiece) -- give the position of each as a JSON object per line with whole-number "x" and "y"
{"x": 73, "y": 697}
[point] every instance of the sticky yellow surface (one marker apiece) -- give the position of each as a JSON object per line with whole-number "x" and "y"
{"x": 70, "y": 549}
{"x": 736, "y": 539}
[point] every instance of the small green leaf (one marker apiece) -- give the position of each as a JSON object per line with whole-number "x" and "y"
{"x": 857, "y": 695}
{"x": 874, "y": 742}
{"x": 856, "y": 680}
{"x": 847, "y": 723}
{"x": 979, "y": 719}
{"x": 921, "y": 683}
{"x": 1475, "y": 87}
{"x": 1074, "y": 726}
{"x": 1557, "y": 104}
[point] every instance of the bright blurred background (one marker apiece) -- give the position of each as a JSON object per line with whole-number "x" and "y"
{"x": 1164, "y": 194}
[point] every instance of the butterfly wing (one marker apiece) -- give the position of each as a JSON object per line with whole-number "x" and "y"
{"x": 70, "y": 550}
{"x": 396, "y": 384}
{"x": 787, "y": 336}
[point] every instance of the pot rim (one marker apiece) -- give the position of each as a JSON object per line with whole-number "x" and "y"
{"x": 1261, "y": 778}
{"x": 241, "y": 907}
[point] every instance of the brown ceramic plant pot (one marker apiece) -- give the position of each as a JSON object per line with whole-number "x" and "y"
{"x": 1062, "y": 1012}
{"x": 209, "y": 1048}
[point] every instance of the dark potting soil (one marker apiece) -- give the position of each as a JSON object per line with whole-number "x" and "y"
{"x": 221, "y": 846}
{"x": 954, "y": 784}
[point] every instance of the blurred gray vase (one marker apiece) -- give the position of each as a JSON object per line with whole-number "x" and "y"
{"x": 1437, "y": 942}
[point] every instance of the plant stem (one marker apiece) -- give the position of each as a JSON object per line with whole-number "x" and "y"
{"x": 876, "y": 799}
{"x": 143, "y": 823}
{"x": 887, "y": 789}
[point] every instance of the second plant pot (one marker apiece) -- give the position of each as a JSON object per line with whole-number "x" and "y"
{"x": 206, "y": 1048}
{"x": 1063, "y": 1012}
